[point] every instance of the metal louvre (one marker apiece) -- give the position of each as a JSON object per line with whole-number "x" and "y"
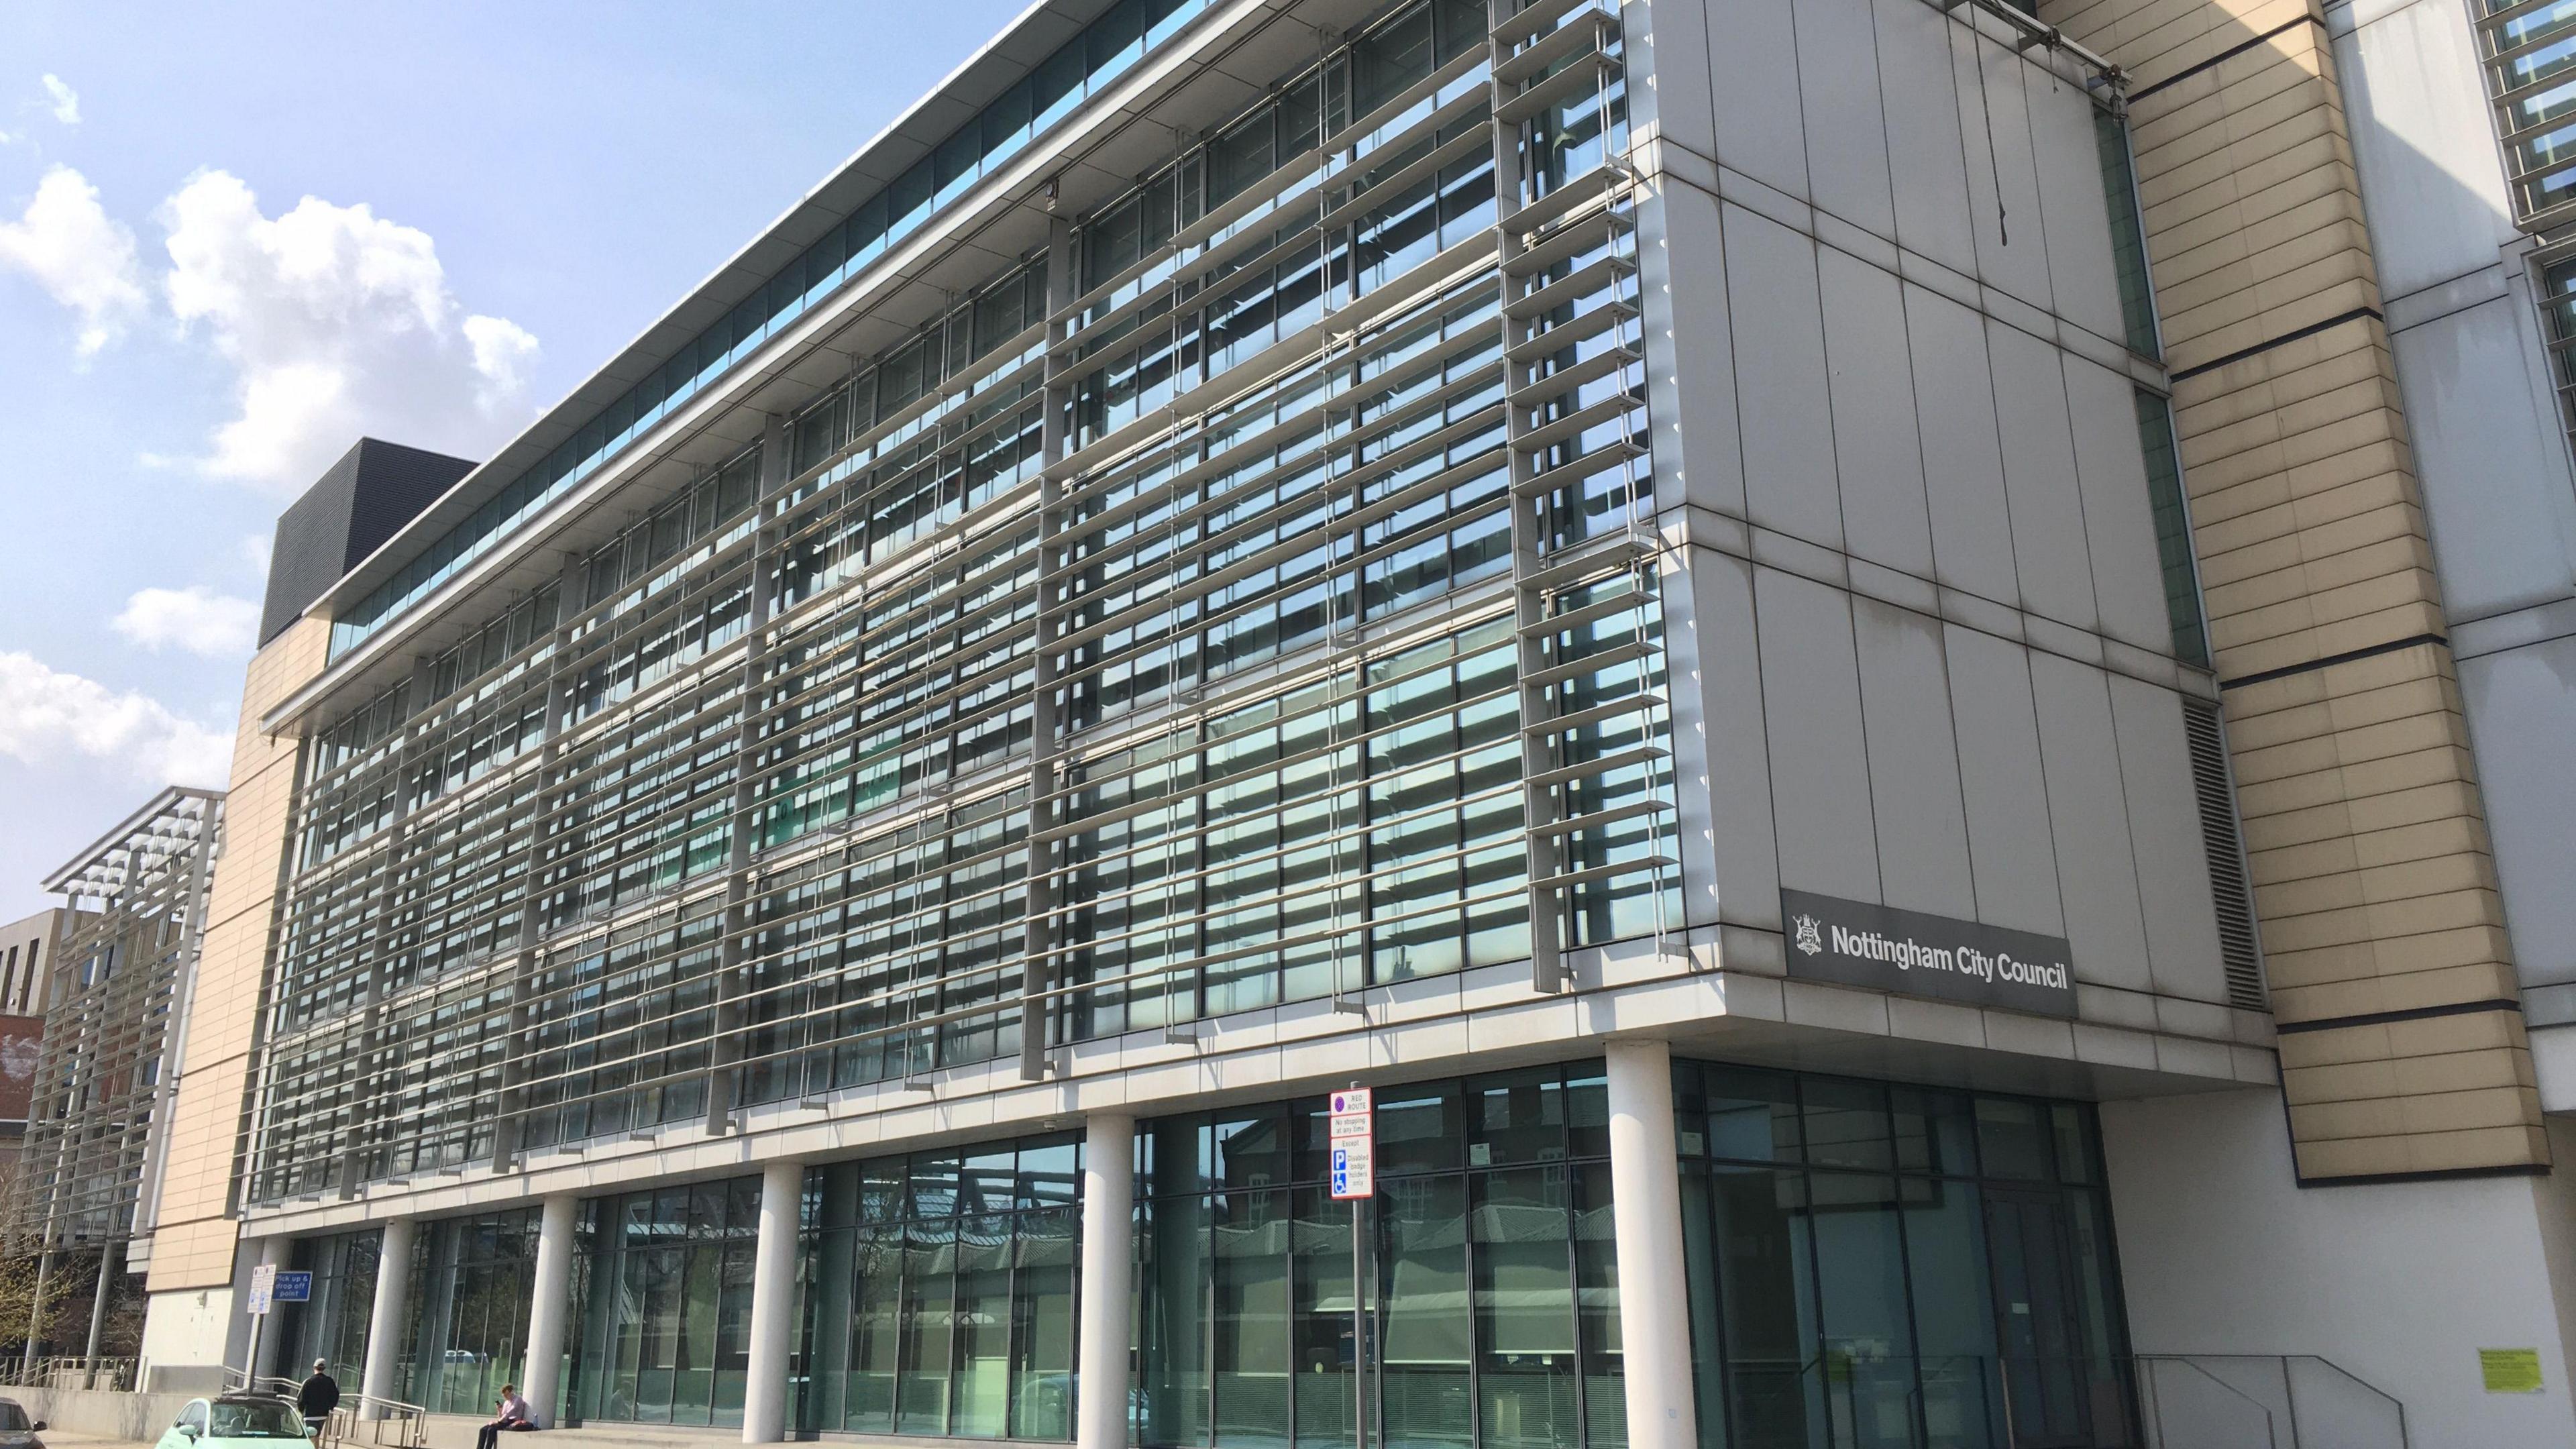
{"x": 1128, "y": 670}
{"x": 2232, "y": 892}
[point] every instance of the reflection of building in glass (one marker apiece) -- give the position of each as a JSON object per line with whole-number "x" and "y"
{"x": 97, "y": 1140}
{"x": 27, "y": 950}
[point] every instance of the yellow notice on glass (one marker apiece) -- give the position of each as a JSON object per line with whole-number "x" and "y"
{"x": 2510, "y": 1370}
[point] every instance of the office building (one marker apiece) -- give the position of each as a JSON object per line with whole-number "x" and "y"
{"x": 97, "y": 1140}
{"x": 1804, "y": 632}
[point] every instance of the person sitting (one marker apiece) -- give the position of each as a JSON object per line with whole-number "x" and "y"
{"x": 318, "y": 1397}
{"x": 514, "y": 1417}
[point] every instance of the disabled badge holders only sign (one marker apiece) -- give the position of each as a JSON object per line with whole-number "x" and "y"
{"x": 1354, "y": 1128}
{"x": 263, "y": 1286}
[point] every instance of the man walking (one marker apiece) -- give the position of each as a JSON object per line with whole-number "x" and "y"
{"x": 319, "y": 1396}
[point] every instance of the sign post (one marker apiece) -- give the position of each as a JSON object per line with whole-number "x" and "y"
{"x": 263, "y": 1291}
{"x": 1354, "y": 1151}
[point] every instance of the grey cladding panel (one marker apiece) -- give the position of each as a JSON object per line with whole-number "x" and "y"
{"x": 2009, "y": 837}
{"x": 1877, "y": 450}
{"x": 1753, "y": 48}
{"x": 2088, "y": 814}
{"x": 1963, "y": 466}
{"x": 2128, "y": 576}
{"x": 2164, "y": 828}
{"x": 1847, "y": 134}
{"x": 1787, "y": 416}
{"x": 1916, "y": 52}
{"x": 2049, "y": 547}
{"x": 1819, "y": 756}
{"x": 1913, "y": 762}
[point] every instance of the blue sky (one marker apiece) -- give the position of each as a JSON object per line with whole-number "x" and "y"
{"x": 233, "y": 237}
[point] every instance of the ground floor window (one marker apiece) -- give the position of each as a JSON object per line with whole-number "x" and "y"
{"x": 1489, "y": 1288}
{"x": 332, "y": 1324}
{"x": 663, "y": 1286}
{"x": 1877, "y": 1265}
{"x": 471, "y": 1279}
{"x": 939, "y": 1293}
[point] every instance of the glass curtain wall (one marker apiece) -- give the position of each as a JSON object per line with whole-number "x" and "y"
{"x": 1493, "y": 1296}
{"x": 1279, "y": 632}
{"x": 1080, "y": 67}
{"x": 939, "y": 1293}
{"x": 1896, "y": 1266}
{"x": 332, "y": 1325}
{"x": 663, "y": 1279}
{"x": 470, "y": 1279}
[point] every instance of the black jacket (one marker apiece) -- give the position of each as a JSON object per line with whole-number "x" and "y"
{"x": 319, "y": 1396}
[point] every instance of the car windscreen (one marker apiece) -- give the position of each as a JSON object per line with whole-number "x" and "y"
{"x": 258, "y": 1421}
{"x": 12, "y": 1417}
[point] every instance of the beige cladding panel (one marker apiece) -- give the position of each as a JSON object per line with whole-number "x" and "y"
{"x": 192, "y": 1243}
{"x": 2364, "y": 829}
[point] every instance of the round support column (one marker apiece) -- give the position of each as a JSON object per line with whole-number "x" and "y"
{"x": 1108, "y": 1279}
{"x": 549, "y": 1309}
{"x": 1646, "y": 1212}
{"x": 273, "y": 1253}
{"x": 385, "y": 1320}
{"x": 773, "y": 1303}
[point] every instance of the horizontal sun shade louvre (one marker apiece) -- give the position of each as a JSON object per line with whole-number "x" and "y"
{"x": 1101, "y": 53}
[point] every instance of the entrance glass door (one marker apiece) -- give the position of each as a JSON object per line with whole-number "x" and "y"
{"x": 2046, "y": 1367}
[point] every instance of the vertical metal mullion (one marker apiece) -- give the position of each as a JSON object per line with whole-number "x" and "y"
{"x": 509, "y": 1129}
{"x": 1038, "y": 880}
{"x": 1530, "y": 606}
{"x": 725, "y": 1044}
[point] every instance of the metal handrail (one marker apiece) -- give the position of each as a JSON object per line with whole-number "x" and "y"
{"x": 2290, "y": 1384}
{"x": 100, "y": 1371}
{"x": 341, "y": 1427}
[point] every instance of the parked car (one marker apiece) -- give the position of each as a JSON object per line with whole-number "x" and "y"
{"x": 15, "y": 1431}
{"x": 250, "y": 1421}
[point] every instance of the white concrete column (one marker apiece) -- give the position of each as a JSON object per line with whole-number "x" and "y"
{"x": 773, "y": 1305}
{"x": 385, "y": 1320}
{"x": 549, "y": 1309}
{"x": 1646, "y": 1210}
{"x": 273, "y": 1253}
{"x": 1108, "y": 1280}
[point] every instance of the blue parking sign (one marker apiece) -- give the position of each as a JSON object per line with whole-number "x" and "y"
{"x": 293, "y": 1288}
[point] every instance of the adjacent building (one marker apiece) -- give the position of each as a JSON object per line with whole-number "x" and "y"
{"x": 27, "y": 950}
{"x": 1811, "y": 635}
{"x": 97, "y": 1141}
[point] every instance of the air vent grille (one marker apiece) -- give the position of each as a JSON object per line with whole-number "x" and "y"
{"x": 2228, "y": 886}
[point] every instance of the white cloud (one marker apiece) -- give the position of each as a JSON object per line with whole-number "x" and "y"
{"x": 338, "y": 322}
{"x": 196, "y": 619}
{"x": 81, "y": 257}
{"x": 65, "y": 102}
{"x": 255, "y": 550}
{"x": 48, "y": 717}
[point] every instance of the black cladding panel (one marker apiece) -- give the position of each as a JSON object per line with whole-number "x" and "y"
{"x": 361, "y": 501}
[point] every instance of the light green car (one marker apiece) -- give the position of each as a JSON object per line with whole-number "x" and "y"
{"x": 235, "y": 1421}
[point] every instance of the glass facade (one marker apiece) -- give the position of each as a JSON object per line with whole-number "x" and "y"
{"x": 662, "y": 1280}
{"x": 908, "y": 749}
{"x": 470, "y": 1285}
{"x": 1867, "y": 1264}
{"x": 2172, "y": 514}
{"x": 1901, "y": 1266}
{"x": 2128, "y": 235}
{"x": 332, "y": 1324}
{"x": 938, "y": 1293}
{"x": 1494, "y": 1304}
{"x": 1079, "y": 68}
{"x": 2530, "y": 48}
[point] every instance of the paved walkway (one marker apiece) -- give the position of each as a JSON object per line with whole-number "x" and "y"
{"x": 73, "y": 1439}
